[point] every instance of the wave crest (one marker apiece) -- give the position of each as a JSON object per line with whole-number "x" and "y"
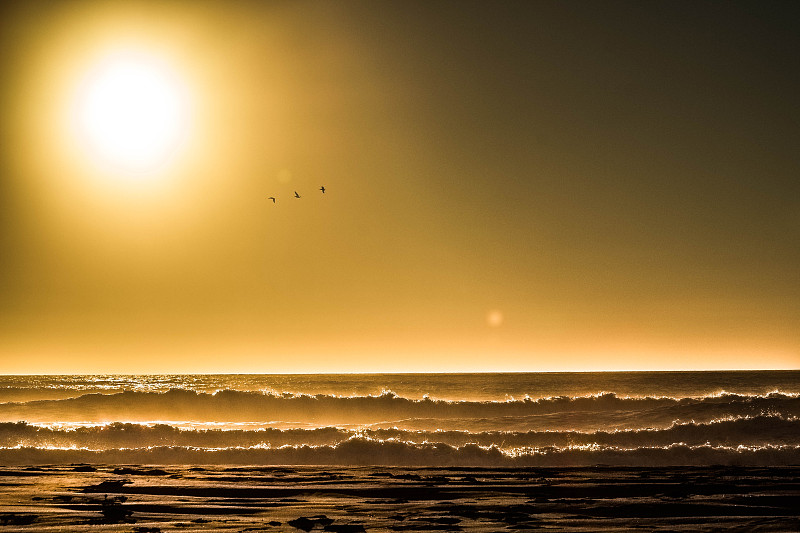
{"x": 748, "y": 431}
{"x": 367, "y": 452}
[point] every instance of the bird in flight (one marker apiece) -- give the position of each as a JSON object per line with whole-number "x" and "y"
{"x": 271, "y": 198}
{"x": 296, "y": 195}
{"x": 322, "y": 189}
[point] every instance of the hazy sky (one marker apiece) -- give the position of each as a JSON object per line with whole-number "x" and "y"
{"x": 528, "y": 185}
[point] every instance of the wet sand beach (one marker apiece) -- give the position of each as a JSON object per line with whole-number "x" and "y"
{"x": 149, "y": 499}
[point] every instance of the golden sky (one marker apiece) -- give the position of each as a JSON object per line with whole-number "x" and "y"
{"x": 510, "y": 186}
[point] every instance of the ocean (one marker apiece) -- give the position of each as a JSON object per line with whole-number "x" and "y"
{"x": 747, "y": 418}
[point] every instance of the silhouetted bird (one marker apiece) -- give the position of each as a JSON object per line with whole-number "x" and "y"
{"x": 271, "y": 198}
{"x": 296, "y": 195}
{"x": 322, "y": 189}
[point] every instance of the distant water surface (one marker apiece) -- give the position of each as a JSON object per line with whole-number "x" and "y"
{"x": 471, "y": 386}
{"x": 637, "y": 418}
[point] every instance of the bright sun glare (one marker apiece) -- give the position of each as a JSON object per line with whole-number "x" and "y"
{"x": 131, "y": 112}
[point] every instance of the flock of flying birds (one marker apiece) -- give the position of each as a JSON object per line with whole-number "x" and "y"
{"x": 295, "y": 194}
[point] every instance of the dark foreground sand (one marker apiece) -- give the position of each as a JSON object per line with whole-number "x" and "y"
{"x": 172, "y": 498}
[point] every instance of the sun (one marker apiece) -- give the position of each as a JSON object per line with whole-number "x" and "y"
{"x": 131, "y": 112}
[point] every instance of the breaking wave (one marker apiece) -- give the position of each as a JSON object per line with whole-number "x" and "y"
{"x": 238, "y": 406}
{"x": 764, "y": 439}
{"x": 759, "y": 430}
{"x": 80, "y": 419}
{"x": 360, "y": 451}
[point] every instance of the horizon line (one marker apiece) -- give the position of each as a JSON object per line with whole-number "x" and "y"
{"x": 403, "y": 373}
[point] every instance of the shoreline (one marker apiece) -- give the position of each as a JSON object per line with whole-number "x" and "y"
{"x": 158, "y": 498}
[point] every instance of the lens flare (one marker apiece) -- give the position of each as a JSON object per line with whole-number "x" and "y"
{"x": 494, "y": 318}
